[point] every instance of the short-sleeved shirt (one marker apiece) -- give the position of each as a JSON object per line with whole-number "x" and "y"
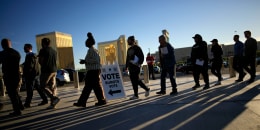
{"x": 49, "y": 56}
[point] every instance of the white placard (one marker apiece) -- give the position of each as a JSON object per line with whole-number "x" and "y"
{"x": 164, "y": 50}
{"x": 199, "y": 62}
{"x": 112, "y": 82}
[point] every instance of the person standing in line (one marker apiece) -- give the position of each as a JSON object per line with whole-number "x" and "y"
{"x": 167, "y": 61}
{"x": 150, "y": 62}
{"x": 47, "y": 59}
{"x": 134, "y": 60}
{"x": 250, "y": 55}
{"x": 199, "y": 59}
{"x": 10, "y": 60}
{"x": 238, "y": 58}
{"x": 92, "y": 79}
{"x": 217, "y": 60}
{"x": 31, "y": 75}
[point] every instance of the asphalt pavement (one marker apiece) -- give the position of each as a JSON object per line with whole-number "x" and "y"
{"x": 230, "y": 106}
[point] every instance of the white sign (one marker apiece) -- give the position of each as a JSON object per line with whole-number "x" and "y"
{"x": 112, "y": 82}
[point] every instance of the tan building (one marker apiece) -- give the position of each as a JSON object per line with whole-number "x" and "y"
{"x": 113, "y": 51}
{"x": 62, "y": 43}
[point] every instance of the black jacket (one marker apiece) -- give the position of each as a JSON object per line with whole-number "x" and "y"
{"x": 133, "y": 51}
{"x": 199, "y": 51}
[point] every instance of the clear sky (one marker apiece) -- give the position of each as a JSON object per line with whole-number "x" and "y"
{"x": 22, "y": 20}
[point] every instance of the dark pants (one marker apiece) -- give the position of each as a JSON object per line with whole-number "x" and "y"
{"x": 134, "y": 77}
{"x": 164, "y": 72}
{"x": 48, "y": 82}
{"x": 12, "y": 87}
{"x": 250, "y": 61}
{"x": 238, "y": 66}
{"x": 32, "y": 83}
{"x": 151, "y": 72}
{"x": 92, "y": 81}
{"x": 216, "y": 69}
{"x": 197, "y": 70}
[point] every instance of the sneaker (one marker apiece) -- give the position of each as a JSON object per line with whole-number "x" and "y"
{"x": 15, "y": 113}
{"x": 250, "y": 81}
{"x": 51, "y": 107}
{"x": 147, "y": 93}
{"x": 206, "y": 87}
{"x": 195, "y": 87}
{"x": 27, "y": 105}
{"x": 161, "y": 93}
{"x": 43, "y": 103}
{"x": 174, "y": 92}
{"x": 100, "y": 103}
{"x": 55, "y": 101}
{"x": 134, "y": 97}
{"x": 239, "y": 80}
{"x": 218, "y": 83}
{"x": 79, "y": 105}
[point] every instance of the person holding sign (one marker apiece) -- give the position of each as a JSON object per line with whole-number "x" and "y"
{"x": 134, "y": 60}
{"x": 167, "y": 60}
{"x": 199, "y": 59}
{"x": 92, "y": 79}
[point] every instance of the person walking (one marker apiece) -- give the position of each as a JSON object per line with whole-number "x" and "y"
{"x": 10, "y": 59}
{"x": 92, "y": 79}
{"x": 31, "y": 76}
{"x": 250, "y": 55}
{"x": 150, "y": 62}
{"x": 217, "y": 60}
{"x": 199, "y": 59}
{"x": 47, "y": 59}
{"x": 238, "y": 58}
{"x": 134, "y": 60}
{"x": 167, "y": 61}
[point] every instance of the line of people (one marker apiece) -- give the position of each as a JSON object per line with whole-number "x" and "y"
{"x": 244, "y": 56}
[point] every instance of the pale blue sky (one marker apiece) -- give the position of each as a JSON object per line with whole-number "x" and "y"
{"x": 21, "y": 20}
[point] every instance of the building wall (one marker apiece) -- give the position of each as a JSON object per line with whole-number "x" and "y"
{"x": 113, "y": 51}
{"x": 62, "y": 43}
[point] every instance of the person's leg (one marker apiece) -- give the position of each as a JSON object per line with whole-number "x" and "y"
{"x": 172, "y": 79}
{"x": 213, "y": 68}
{"x": 134, "y": 80}
{"x": 86, "y": 91}
{"x": 205, "y": 77}
{"x": 29, "y": 91}
{"x": 218, "y": 70}
{"x": 253, "y": 68}
{"x": 163, "y": 81}
{"x": 98, "y": 89}
{"x": 196, "y": 75}
{"x": 40, "y": 91}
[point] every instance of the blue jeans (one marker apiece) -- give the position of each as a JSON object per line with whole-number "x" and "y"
{"x": 170, "y": 71}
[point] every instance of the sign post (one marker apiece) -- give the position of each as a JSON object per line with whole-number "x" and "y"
{"x": 112, "y": 82}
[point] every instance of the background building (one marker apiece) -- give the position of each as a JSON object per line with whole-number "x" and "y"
{"x": 113, "y": 51}
{"x": 62, "y": 43}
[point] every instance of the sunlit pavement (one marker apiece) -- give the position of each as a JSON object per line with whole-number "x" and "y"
{"x": 228, "y": 106}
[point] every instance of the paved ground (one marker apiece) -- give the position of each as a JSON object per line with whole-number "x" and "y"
{"x": 228, "y": 106}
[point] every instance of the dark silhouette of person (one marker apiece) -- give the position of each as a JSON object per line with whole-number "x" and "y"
{"x": 134, "y": 60}
{"x": 150, "y": 62}
{"x": 47, "y": 59}
{"x": 92, "y": 79}
{"x": 167, "y": 60}
{"x": 10, "y": 59}
{"x": 250, "y": 56}
{"x": 199, "y": 59}
{"x": 238, "y": 58}
{"x": 217, "y": 60}
{"x": 31, "y": 76}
